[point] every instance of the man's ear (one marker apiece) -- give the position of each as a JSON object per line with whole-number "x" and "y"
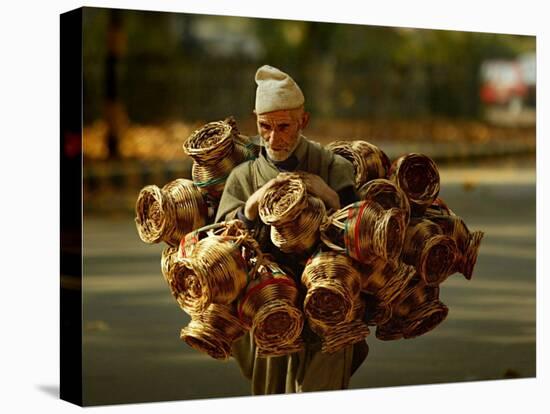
{"x": 305, "y": 119}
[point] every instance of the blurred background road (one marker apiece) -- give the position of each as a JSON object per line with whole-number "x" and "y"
{"x": 466, "y": 99}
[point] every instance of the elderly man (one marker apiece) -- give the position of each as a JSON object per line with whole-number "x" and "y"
{"x": 281, "y": 118}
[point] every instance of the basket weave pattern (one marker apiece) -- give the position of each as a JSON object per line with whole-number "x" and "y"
{"x": 369, "y": 231}
{"x": 333, "y": 285}
{"x": 216, "y": 148}
{"x": 271, "y": 308}
{"x": 213, "y": 331}
{"x": 417, "y": 311}
{"x": 369, "y": 161}
{"x": 467, "y": 242}
{"x": 418, "y": 177}
{"x": 432, "y": 253}
{"x": 168, "y": 213}
{"x": 293, "y": 214}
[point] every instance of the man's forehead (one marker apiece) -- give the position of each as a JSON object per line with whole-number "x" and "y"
{"x": 279, "y": 116}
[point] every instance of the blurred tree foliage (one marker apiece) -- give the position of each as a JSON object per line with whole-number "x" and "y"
{"x": 183, "y": 66}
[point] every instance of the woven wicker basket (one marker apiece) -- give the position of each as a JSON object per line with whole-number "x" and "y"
{"x": 418, "y": 177}
{"x": 367, "y": 231}
{"x": 293, "y": 214}
{"x": 168, "y": 213}
{"x": 216, "y": 148}
{"x": 386, "y": 194}
{"x": 432, "y": 253}
{"x": 385, "y": 281}
{"x": 417, "y": 311}
{"x": 271, "y": 307}
{"x": 220, "y": 256}
{"x": 214, "y": 331}
{"x": 337, "y": 337}
{"x": 467, "y": 242}
{"x": 183, "y": 283}
{"x": 369, "y": 161}
{"x": 376, "y": 312}
{"x": 333, "y": 285}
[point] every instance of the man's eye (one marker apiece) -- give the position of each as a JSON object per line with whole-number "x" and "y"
{"x": 283, "y": 127}
{"x": 265, "y": 126}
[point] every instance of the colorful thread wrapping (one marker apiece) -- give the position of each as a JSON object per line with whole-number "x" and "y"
{"x": 270, "y": 307}
{"x": 216, "y": 148}
{"x": 369, "y": 231}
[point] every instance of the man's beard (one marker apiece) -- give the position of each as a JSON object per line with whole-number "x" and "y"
{"x": 282, "y": 155}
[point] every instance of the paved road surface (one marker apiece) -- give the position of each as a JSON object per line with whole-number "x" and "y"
{"x": 132, "y": 350}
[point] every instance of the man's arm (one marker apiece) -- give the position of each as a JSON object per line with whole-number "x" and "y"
{"x": 316, "y": 186}
{"x": 237, "y": 190}
{"x": 341, "y": 177}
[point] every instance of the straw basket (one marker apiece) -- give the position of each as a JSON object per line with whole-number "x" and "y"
{"x": 417, "y": 311}
{"x": 418, "y": 177}
{"x": 333, "y": 285}
{"x": 384, "y": 282}
{"x": 215, "y": 153}
{"x": 432, "y": 253}
{"x": 467, "y": 242}
{"x": 236, "y": 229}
{"x": 214, "y": 331}
{"x": 183, "y": 283}
{"x": 439, "y": 207}
{"x": 271, "y": 308}
{"x": 294, "y": 216}
{"x": 168, "y": 213}
{"x": 376, "y": 312}
{"x": 369, "y": 161}
{"x": 369, "y": 231}
{"x": 386, "y": 194}
{"x": 220, "y": 261}
{"x": 337, "y": 337}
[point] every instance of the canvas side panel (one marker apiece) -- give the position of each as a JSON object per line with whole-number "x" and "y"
{"x": 71, "y": 206}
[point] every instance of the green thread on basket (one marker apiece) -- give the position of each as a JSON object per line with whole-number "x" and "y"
{"x": 213, "y": 181}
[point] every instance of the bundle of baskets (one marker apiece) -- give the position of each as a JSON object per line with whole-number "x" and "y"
{"x": 405, "y": 242}
{"x": 378, "y": 262}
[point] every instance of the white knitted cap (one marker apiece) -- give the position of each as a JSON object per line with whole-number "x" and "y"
{"x": 276, "y": 91}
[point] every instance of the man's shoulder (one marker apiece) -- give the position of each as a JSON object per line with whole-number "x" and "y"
{"x": 319, "y": 150}
{"x": 314, "y": 145}
{"x": 243, "y": 170}
{"x": 314, "y": 149}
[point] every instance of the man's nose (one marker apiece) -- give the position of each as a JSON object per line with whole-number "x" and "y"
{"x": 272, "y": 136}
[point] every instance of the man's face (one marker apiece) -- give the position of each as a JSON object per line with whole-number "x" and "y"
{"x": 280, "y": 131}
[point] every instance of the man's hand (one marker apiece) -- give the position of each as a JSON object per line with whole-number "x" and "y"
{"x": 251, "y": 206}
{"x": 316, "y": 186}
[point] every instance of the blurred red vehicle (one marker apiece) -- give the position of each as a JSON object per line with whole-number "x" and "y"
{"x": 509, "y": 83}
